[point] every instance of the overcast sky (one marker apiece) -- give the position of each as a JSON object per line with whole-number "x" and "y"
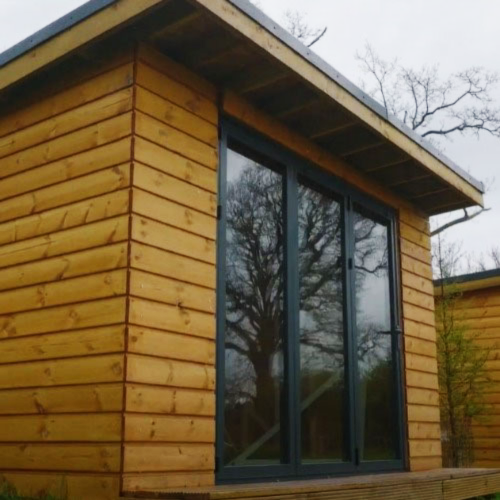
{"x": 455, "y": 35}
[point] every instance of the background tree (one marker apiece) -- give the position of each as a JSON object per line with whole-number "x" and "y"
{"x": 461, "y": 366}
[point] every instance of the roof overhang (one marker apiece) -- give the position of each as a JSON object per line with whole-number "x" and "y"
{"x": 239, "y": 49}
{"x": 469, "y": 282}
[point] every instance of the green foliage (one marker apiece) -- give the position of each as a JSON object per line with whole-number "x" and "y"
{"x": 8, "y": 492}
{"x": 462, "y": 380}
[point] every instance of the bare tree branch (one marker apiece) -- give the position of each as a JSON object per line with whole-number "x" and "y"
{"x": 467, "y": 217}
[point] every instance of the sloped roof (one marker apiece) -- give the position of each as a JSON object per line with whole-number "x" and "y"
{"x": 238, "y": 48}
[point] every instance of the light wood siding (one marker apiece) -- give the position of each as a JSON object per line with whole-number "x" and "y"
{"x": 169, "y": 432}
{"x": 65, "y": 195}
{"x": 108, "y": 198}
{"x": 479, "y": 309}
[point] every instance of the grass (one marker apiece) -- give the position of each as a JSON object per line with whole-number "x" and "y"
{"x": 7, "y": 492}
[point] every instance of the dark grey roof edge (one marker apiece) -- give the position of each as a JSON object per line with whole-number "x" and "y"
{"x": 92, "y": 6}
{"x": 58, "y": 26}
{"x": 464, "y": 278}
{"x": 284, "y": 36}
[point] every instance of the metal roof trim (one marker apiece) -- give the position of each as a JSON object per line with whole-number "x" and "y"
{"x": 51, "y": 30}
{"x": 464, "y": 278}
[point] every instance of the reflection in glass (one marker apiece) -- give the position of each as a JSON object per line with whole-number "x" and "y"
{"x": 373, "y": 324}
{"x": 321, "y": 327}
{"x": 254, "y": 313}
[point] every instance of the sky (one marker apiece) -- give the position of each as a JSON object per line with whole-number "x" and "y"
{"x": 454, "y": 35}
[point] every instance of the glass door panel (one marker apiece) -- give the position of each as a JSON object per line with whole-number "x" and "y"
{"x": 321, "y": 327}
{"x": 254, "y": 371}
{"x": 376, "y": 389}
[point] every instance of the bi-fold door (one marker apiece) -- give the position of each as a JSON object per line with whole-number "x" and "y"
{"x": 308, "y": 337}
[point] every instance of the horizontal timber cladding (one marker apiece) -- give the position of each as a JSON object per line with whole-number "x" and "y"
{"x": 65, "y": 196}
{"x": 169, "y": 425}
{"x": 479, "y": 310}
{"x": 108, "y": 205}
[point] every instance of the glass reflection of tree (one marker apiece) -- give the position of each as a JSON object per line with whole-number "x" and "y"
{"x": 373, "y": 338}
{"x": 255, "y": 292}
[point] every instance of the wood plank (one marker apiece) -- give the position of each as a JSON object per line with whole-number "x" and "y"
{"x": 67, "y": 317}
{"x": 174, "y": 165}
{"x": 71, "y": 240}
{"x": 85, "y": 370}
{"x": 87, "y": 342}
{"x": 415, "y": 219}
{"x": 178, "y": 293}
{"x": 462, "y": 487}
{"x": 421, "y": 380}
{"x": 415, "y": 236}
{"x": 50, "y": 428}
{"x": 150, "y": 232}
{"x": 77, "y": 165}
{"x": 415, "y": 313}
{"x": 171, "y": 265}
{"x": 175, "y": 116}
{"x": 415, "y": 251}
{"x": 94, "y": 286}
{"x": 171, "y": 213}
{"x": 68, "y": 216}
{"x": 172, "y": 429}
{"x": 425, "y": 463}
{"x": 425, "y": 448}
{"x": 171, "y": 373}
{"x": 76, "y": 399}
{"x": 478, "y": 312}
{"x": 78, "y": 95}
{"x": 170, "y": 345}
{"x": 87, "y": 138}
{"x": 60, "y": 485}
{"x": 168, "y": 457}
{"x": 83, "y": 116}
{"x": 174, "y": 189}
{"x": 147, "y": 481}
{"x": 420, "y": 363}
{"x": 175, "y": 140}
{"x": 149, "y": 399}
{"x": 421, "y": 413}
{"x": 416, "y": 267}
{"x": 177, "y": 93}
{"x": 60, "y": 457}
{"x": 96, "y": 260}
{"x": 178, "y": 72}
{"x": 420, "y": 346}
{"x": 424, "y": 430}
{"x": 419, "y": 299}
{"x": 419, "y": 330}
{"x": 418, "y": 396}
{"x": 171, "y": 318}
{"x": 417, "y": 282}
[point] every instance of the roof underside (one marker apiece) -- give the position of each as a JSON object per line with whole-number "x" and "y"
{"x": 194, "y": 37}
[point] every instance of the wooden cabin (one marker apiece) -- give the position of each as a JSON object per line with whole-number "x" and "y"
{"x": 214, "y": 266}
{"x": 477, "y": 307}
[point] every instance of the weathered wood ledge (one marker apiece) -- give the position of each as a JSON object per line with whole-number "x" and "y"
{"x": 445, "y": 484}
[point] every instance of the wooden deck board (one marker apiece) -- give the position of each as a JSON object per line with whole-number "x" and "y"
{"x": 444, "y": 484}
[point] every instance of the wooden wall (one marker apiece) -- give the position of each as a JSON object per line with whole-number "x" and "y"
{"x": 107, "y": 283}
{"x": 170, "y": 401}
{"x": 480, "y": 310}
{"x": 65, "y": 174}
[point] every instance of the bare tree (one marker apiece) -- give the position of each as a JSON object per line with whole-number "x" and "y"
{"x": 296, "y": 24}
{"x": 433, "y": 106}
{"x": 483, "y": 262}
